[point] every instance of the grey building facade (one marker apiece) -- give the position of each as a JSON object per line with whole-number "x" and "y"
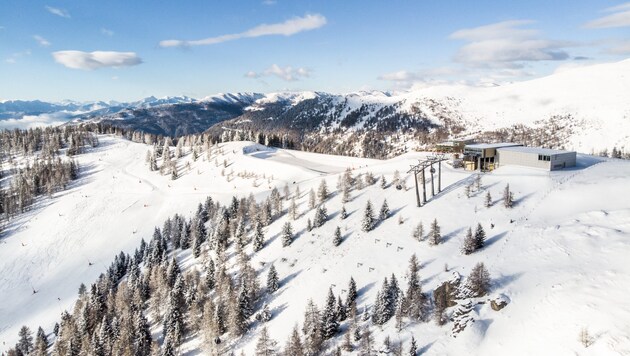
{"x": 543, "y": 158}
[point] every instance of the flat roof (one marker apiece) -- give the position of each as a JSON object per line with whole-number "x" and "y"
{"x": 535, "y": 150}
{"x": 492, "y": 145}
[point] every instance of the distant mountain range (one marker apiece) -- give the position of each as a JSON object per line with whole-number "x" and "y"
{"x": 584, "y": 108}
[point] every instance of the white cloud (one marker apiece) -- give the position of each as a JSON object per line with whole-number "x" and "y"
{"x": 507, "y": 44}
{"x": 286, "y": 28}
{"x": 287, "y": 73}
{"x": 107, "y": 32}
{"x": 619, "y": 17}
{"x": 620, "y": 47}
{"x": 33, "y": 121}
{"x": 269, "y": 2}
{"x": 96, "y": 60}
{"x": 14, "y": 56}
{"x": 58, "y": 12}
{"x": 41, "y": 40}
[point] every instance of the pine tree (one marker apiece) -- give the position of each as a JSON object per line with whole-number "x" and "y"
{"x": 321, "y": 215}
{"x": 287, "y": 234}
{"x": 25, "y": 343}
{"x": 413, "y": 348}
{"x": 309, "y": 225}
{"x": 383, "y": 182}
{"x": 468, "y": 246}
{"x": 259, "y": 238}
{"x": 265, "y": 314}
{"x": 383, "y": 305}
{"x": 294, "y": 345}
{"x": 322, "y": 191}
{"x": 41, "y": 342}
{"x": 343, "y": 214}
{"x": 351, "y": 297}
{"x": 418, "y": 232}
{"x": 311, "y": 199}
{"x": 479, "y": 280}
{"x": 345, "y": 193}
{"x": 330, "y": 325}
{"x": 384, "y": 213}
{"x": 415, "y": 300}
{"x": 265, "y": 346}
{"x": 313, "y": 338}
{"x": 508, "y": 197}
{"x": 337, "y": 238}
{"x": 341, "y": 310}
{"x": 488, "y": 201}
{"x": 480, "y": 237}
{"x": 368, "y": 218}
{"x": 347, "y": 342}
{"x": 367, "y": 343}
{"x": 467, "y": 190}
{"x": 272, "y": 280}
{"x": 434, "y": 234}
{"x": 293, "y": 210}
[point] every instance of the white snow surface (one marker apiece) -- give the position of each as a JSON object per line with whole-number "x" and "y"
{"x": 561, "y": 263}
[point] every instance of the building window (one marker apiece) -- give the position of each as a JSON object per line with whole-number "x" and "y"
{"x": 544, "y": 158}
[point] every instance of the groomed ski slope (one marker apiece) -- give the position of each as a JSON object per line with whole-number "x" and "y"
{"x": 562, "y": 262}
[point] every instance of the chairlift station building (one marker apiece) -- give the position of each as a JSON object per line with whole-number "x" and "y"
{"x": 488, "y": 156}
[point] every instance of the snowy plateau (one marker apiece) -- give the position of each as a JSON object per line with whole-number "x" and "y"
{"x": 558, "y": 257}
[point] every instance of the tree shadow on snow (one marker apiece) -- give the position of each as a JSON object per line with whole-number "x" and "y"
{"x": 425, "y": 348}
{"x": 361, "y": 292}
{"x": 503, "y": 280}
{"x": 495, "y": 238}
{"x": 522, "y": 199}
{"x": 452, "y": 234}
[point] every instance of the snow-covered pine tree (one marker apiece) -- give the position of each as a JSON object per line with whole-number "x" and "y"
{"x": 337, "y": 238}
{"x": 467, "y": 190}
{"x": 309, "y": 225}
{"x": 322, "y": 191}
{"x": 259, "y": 238}
{"x": 366, "y": 345}
{"x": 293, "y": 210}
{"x": 351, "y": 297}
{"x": 312, "y": 202}
{"x": 313, "y": 338}
{"x": 413, "y": 348}
{"x": 341, "y": 310}
{"x": 343, "y": 214}
{"x": 488, "y": 201}
{"x": 265, "y": 346}
{"x": 330, "y": 325}
{"x": 272, "y": 280}
{"x": 415, "y": 300}
{"x": 345, "y": 193}
{"x": 294, "y": 345}
{"x": 468, "y": 245}
{"x": 321, "y": 215}
{"x": 25, "y": 342}
{"x": 383, "y": 182}
{"x": 384, "y": 213}
{"x": 418, "y": 232}
{"x": 479, "y": 280}
{"x": 381, "y": 311}
{"x": 287, "y": 234}
{"x": 368, "y": 217}
{"x": 434, "y": 234}
{"x": 508, "y": 197}
{"x": 480, "y": 237}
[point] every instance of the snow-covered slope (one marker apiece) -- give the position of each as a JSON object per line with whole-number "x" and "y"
{"x": 559, "y": 255}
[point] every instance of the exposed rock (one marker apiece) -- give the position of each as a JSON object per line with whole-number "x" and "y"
{"x": 499, "y": 302}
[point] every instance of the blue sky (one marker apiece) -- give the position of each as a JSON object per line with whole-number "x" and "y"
{"x": 126, "y": 50}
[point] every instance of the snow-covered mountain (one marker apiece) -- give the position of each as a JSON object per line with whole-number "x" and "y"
{"x": 584, "y": 109}
{"x": 558, "y": 257}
